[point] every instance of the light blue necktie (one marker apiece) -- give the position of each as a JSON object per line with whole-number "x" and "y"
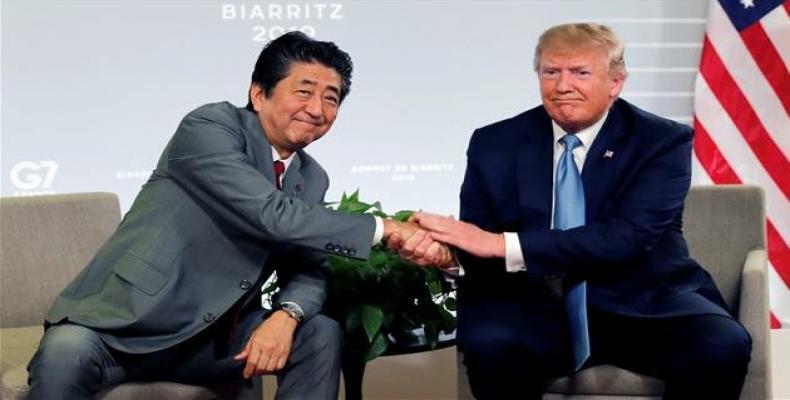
{"x": 569, "y": 213}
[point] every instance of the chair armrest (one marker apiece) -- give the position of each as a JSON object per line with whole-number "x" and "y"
{"x": 753, "y": 315}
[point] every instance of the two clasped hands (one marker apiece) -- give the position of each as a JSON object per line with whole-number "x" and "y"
{"x": 425, "y": 239}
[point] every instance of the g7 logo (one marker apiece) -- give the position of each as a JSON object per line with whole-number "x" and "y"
{"x": 29, "y": 175}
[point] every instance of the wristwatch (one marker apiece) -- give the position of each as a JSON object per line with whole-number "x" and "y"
{"x": 292, "y": 309}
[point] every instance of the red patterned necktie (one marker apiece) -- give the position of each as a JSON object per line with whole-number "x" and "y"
{"x": 279, "y": 168}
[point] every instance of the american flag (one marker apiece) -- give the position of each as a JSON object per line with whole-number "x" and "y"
{"x": 742, "y": 119}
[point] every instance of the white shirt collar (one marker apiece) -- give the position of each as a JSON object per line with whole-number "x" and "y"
{"x": 586, "y": 135}
{"x": 287, "y": 161}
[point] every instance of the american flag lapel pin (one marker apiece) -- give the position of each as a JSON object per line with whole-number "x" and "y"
{"x": 608, "y": 154}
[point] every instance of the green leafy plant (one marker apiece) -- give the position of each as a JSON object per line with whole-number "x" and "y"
{"x": 384, "y": 298}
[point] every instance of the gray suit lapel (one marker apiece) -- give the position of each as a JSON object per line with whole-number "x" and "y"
{"x": 258, "y": 147}
{"x": 294, "y": 181}
{"x": 260, "y": 152}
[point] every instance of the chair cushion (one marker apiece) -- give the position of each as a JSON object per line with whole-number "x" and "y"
{"x": 17, "y": 346}
{"x": 15, "y": 387}
{"x": 158, "y": 391}
{"x": 607, "y": 379}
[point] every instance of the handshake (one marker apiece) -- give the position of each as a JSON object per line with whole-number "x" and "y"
{"x": 425, "y": 239}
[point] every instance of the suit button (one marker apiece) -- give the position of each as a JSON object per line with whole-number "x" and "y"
{"x": 245, "y": 284}
{"x": 209, "y": 317}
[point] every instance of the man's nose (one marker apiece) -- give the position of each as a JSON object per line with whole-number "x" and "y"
{"x": 563, "y": 82}
{"x": 315, "y": 107}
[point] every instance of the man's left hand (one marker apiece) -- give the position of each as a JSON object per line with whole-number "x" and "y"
{"x": 462, "y": 235}
{"x": 269, "y": 346}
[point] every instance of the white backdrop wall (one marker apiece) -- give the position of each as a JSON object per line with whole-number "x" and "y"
{"x": 92, "y": 90}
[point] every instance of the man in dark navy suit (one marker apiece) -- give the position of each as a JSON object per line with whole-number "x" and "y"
{"x": 571, "y": 239}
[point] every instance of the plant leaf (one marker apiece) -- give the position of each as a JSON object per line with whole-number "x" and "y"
{"x": 380, "y": 214}
{"x": 451, "y": 304}
{"x": 385, "y": 298}
{"x": 372, "y": 317}
{"x": 377, "y": 347}
{"x": 403, "y": 215}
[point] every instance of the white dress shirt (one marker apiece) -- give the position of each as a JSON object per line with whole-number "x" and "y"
{"x": 514, "y": 258}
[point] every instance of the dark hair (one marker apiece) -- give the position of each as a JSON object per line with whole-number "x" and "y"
{"x": 274, "y": 63}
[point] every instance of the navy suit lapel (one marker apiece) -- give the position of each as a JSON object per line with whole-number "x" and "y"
{"x": 534, "y": 169}
{"x": 601, "y": 162}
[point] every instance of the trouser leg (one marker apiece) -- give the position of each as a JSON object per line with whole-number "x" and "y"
{"x": 512, "y": 346}
{"x": 313, "y": 369}
{"x": 311, "y": 372}
{"x": 703, "y": 356}
{"x": 72, "y": 362}
{"x": 496, "y": 372}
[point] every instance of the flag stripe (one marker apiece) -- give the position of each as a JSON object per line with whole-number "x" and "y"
{"x": 748, "y": 124}
{"x": 769, "y": 61}
{"x": 776, "y": 25}
{"x": 779, "y": 286}
{"x": 711, "y": 158}
{"x": 778, "y": 253}
{"x": 741, "y": 66}
{"x": 778, "y": 296}
{"x": 742, "y": 120}
{"x": 736, "y": 153}
{"x": 721, "y": 172}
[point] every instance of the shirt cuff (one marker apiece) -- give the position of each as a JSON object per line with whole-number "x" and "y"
{"x": 379, "y": 233}
{"x": 514, "y": 258}
{"x": 455, "y": 270}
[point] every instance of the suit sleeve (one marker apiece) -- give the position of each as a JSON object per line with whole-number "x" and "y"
{"x": 207, "y": 158}
{"x": 302, "y": 278}
{"x": 302, "y": 275}
{"x": 645, "y": 211}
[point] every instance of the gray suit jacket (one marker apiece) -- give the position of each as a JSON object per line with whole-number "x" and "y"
{"x": 206, "y": 227}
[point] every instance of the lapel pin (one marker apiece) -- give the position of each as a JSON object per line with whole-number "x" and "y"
{"x": 608, "y": 154}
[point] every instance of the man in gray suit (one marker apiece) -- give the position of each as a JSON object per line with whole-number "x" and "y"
{"x": 174, "y": 294}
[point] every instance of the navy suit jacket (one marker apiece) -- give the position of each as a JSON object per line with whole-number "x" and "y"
{"x": 631, "y": 250}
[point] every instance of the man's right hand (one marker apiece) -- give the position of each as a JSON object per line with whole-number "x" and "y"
{"x": 415, "y": 245}
{"x": 269, "y": 347}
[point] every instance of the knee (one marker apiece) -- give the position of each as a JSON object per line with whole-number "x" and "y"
{"x": 489, "y": 348}
{"x": 725, "y": 350}
{"x": 69, "y": 349}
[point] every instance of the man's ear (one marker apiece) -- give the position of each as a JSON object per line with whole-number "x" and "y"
{"x": 618, "y": 81}
{"x": 256, "y": 96}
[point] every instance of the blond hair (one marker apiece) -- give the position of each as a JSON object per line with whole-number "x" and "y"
{"x": 585, "y": 35}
